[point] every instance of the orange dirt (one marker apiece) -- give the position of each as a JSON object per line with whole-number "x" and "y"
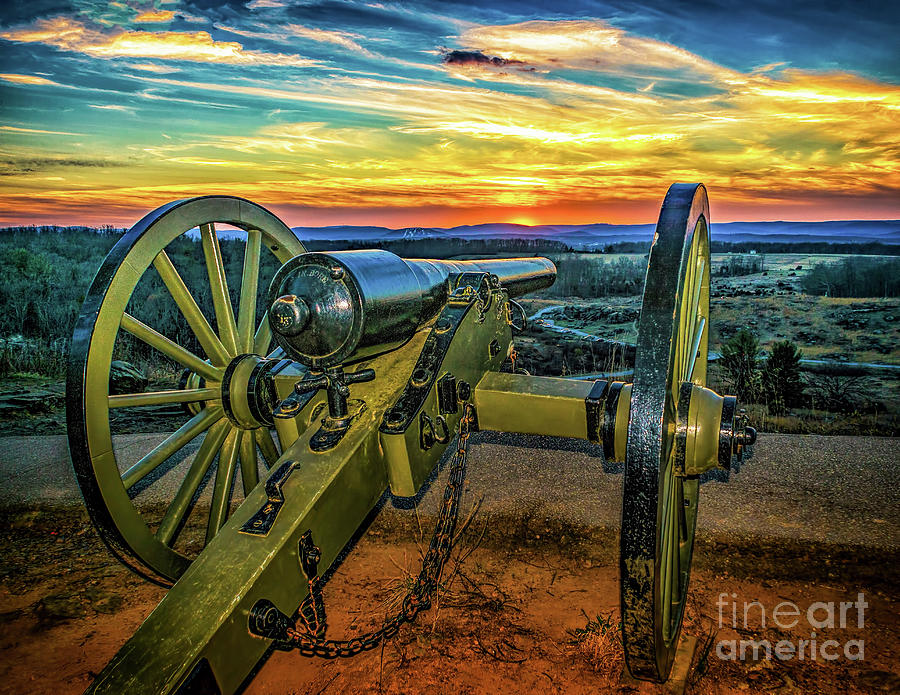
{"x": 505, "y": 623}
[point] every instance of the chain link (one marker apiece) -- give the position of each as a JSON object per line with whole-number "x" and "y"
{"x": 308, "y": 633}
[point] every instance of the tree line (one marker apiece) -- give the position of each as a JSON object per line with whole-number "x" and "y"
{"x": 854, "y": 277}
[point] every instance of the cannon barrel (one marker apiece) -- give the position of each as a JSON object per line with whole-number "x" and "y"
{"x": 327, "y": 309}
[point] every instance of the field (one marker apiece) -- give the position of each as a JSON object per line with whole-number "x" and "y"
{"x": 44, "y": 275}
{"x": 773, "y": 306}
{"x": 771, "y": 303}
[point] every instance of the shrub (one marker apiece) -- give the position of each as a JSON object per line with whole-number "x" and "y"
{"x": 781, "y": 383}
{"x": 840, "y": 393}
{"x": 740, "y": 361}
{"x": 742, "y": 264}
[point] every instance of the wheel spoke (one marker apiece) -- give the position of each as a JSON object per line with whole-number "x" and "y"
{"x": 249, "y": 287}
{"x": 263, "y": 337}
{"x": 680, "y": 529}
{"x": 266, "y": 446}
{"x": 695, "y": 349}
{"x": 157, "y": 340}
{"x": 693, "y": 310}
{"x": 215, "y": 269}
{"x": 669, "y": 579}
{"x": 201, "y": 463}
{"x": 682, "y": 514}
{"x": 133, "y": 400}
{"x": 221, "y": 497}
{"x": 685, "y": 317}
{"x": 210, "y": 342}
{"x": 174, "y": 442}
{"x": 698, "y": 286}
{"x": 249, "y": 462}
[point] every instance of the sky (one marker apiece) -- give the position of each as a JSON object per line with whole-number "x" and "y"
{"x": 439, "y": 113}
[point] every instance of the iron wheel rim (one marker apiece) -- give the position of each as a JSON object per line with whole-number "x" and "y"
{"x": 659, "y": 510}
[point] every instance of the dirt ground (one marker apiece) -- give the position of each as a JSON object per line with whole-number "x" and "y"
{"x": 535, "y": 613}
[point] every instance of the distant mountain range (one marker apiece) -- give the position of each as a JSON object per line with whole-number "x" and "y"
{"x": 589, "y": 236}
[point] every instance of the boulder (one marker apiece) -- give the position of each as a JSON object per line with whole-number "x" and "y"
{"x": 125, "y": 378}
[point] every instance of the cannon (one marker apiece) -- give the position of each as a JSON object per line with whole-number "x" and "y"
{"x": 359, "y": 375}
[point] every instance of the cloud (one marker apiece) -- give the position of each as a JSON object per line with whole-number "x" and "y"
{"x": 27, "y": 79}
{"x": 112, "y": 107}
{"x": 477, "y": 58}
{"x": 72, "y": 35}
{"x": 25, "y": 165}
{"x": 545, "y": 114}
{"x": 36, "y": 131}
{"x": 584, "y": 45}
{"x": 153, "y": 67}
{"x": 198, "y": 161}
{"x": 339, "y": 38}
{"x": 774, "y": 137}
{"x": 151, "y": 16}
{"x": 493, "y": 130}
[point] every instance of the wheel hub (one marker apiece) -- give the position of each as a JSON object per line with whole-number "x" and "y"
{"x": 709, "y": 432}
{"x": 248, "y": 392}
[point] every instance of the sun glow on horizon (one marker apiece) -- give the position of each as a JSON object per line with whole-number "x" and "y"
{"x": 533, "y": 122}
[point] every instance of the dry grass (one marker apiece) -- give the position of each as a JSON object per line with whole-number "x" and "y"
{"x": 809, "y": 421}
{"x": 599, "y": 643}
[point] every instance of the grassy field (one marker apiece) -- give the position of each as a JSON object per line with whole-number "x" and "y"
{"x": 44, "y": 276}
{"x": 771, "y": 304}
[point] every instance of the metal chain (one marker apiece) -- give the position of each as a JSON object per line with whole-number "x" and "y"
{"x": 308, "y": 633}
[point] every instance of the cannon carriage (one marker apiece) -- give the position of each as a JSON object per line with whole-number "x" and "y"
{"x": 360, "y": 375}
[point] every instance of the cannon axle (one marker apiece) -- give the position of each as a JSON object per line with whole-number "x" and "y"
{"x": 709, "y": 435}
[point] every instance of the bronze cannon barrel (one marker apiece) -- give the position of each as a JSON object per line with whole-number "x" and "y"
{"x": 342, "y": 306}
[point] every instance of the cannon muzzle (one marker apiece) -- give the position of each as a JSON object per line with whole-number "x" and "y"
{"x": 333, "y": 308}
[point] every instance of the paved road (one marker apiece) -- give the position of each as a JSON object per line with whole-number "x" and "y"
{"x": 831, "y": 489}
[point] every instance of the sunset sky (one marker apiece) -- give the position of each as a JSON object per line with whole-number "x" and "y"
{"x": 440, "y": 113}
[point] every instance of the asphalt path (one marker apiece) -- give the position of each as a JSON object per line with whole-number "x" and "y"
{"x": 841, "y": 490}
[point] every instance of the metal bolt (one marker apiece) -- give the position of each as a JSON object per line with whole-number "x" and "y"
{"x": 290, "y": 314}
{"x": 420, "y": 377}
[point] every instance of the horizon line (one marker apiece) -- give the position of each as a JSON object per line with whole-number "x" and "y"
{"x": 5, "y": 226}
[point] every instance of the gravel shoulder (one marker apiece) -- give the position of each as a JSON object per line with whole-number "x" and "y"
{"x": 833, "y": 490}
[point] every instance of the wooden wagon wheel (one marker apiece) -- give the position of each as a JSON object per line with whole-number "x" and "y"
{"x": 213, "y": 386}
{"x": 659, "y": 511}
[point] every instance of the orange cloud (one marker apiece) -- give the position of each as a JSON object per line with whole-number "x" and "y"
{"x": 199, "y": 46}
{"x": 489, "y": 147}
{"x": 155, "y": 16}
